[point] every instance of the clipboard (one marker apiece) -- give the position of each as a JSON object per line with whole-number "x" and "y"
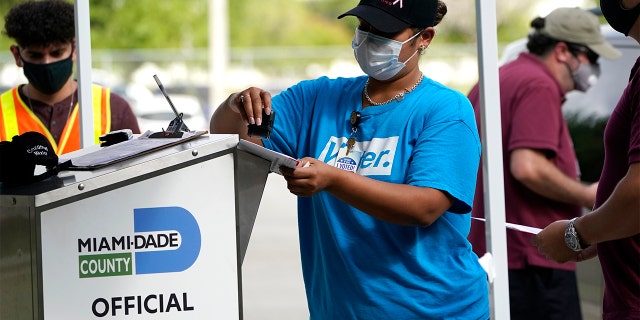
{"x": 136, "y": 147}
{"x": 277, "y": 159}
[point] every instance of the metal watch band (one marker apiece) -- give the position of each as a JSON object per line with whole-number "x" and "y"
{"x": 572, "y": 239}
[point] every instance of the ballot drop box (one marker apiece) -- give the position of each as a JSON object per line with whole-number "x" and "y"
{"x": 160, "y": 235}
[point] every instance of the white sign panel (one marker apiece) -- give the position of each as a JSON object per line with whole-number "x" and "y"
{"x": 162, "y": 248}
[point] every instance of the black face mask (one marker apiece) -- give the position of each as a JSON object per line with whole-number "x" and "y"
{"x": 619, "y": 18}
{"x": 48, "y": 78}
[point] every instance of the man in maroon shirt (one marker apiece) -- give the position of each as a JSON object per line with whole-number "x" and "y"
{"x": 45, "y": 48}
{"x": 612, "y": 230}
{"x": 541, "y": 175}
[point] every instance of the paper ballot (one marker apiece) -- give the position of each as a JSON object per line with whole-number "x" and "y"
{"x": 277, "y": 159}
{"x": 517, "y": 227}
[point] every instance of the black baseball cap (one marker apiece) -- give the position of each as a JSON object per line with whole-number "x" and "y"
{"x": 19, "y": 157}
{"x": 393, "y": 16}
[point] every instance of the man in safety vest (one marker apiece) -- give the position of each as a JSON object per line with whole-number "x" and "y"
{"x": 45, "y": 35}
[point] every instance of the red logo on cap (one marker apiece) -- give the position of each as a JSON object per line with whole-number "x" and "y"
{"x": 387, "y": 2}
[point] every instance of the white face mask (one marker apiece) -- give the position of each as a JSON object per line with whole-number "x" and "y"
{"x": 377, "y": 55}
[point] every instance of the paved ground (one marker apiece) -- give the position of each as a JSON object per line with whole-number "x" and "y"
{"x": 272, "y": 276}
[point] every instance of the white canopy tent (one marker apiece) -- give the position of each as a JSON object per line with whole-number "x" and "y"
{"x": 490, "y": 125}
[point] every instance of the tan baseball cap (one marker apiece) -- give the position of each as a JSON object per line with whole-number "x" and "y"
{"x": 578, "y": 26}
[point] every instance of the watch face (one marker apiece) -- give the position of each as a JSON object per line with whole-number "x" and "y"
{"x": 571, "y": 237}
{"x": 571, "y": 241}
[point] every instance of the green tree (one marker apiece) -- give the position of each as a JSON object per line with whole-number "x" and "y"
{"x": 283, "y": 23}
{"x": 133, "y": 24}
{"x": 126, "y": 24}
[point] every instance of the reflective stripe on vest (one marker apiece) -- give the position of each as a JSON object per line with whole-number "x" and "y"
{"x": 13, "y": 108}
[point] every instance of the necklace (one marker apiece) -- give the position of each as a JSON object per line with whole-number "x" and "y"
{"x": 31, "y": 106}
{"x": 398, "y": 97}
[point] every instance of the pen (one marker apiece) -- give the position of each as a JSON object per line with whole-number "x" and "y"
{"x": 165, "y": 94}
{"x": 175, "y": 111}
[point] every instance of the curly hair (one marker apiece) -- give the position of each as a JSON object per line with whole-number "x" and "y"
{"x": 440, "y": 13}
{"x": 538, "y": 43}
{"x": 40, "y": 23}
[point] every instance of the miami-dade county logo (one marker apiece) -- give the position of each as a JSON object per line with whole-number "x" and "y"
{"x": 165, "y": 239}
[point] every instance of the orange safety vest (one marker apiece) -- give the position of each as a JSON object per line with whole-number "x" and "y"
{"x": 13, "y": 108}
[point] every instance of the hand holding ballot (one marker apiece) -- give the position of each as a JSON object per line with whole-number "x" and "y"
{"x": 309, "y": 177}
{"x": 550, "y": 242}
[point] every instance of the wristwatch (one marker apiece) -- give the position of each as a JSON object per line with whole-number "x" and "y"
{"x": 572, "y": 239}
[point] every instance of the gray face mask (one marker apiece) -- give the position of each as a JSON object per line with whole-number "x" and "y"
{"x": 585, "y": 76}
{"x": 378, "y": 56}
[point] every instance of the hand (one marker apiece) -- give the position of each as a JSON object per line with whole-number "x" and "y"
{"x": 308, "y": 178}
{"x": 550, "y": 242}
{"x": 588, "y": 253}
{"x": 250, "y": 102}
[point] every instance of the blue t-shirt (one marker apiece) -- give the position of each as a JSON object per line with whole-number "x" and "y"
{"x": 354, "y": 265}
